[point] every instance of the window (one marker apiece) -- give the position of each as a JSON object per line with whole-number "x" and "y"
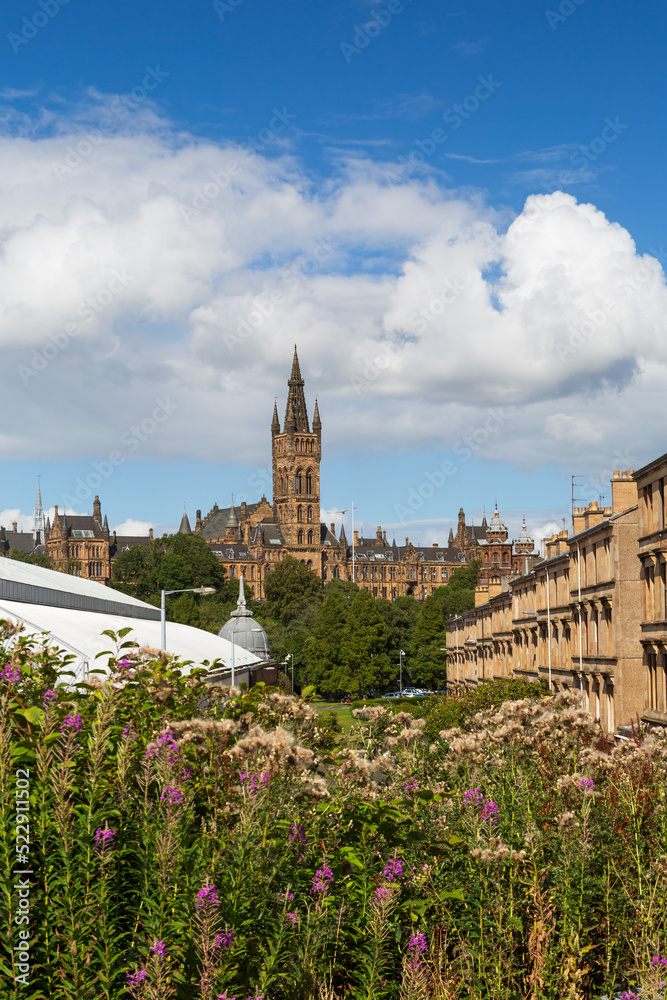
{"x": 309, "y": 481}
{"x": 495, "y": 557}
{"x": 443, "y": 573}
{"x": 299, "y": 481}
{"x": 310, "y": 514}
{"x": 299, "y": 513}
{"x": 310, "y": 537}
{"x": 299, "y": 538}
{"x": 309, "y": 564}
{"x": 336, "y": 572}
{"x": 324, "y": 573}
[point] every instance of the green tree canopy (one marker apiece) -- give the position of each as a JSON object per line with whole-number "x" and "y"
{"x": 327, "y": 664}
{"x": 428, "y": 661}
{"x": 459, "y": 594}
{"x": 36, "y": 558}
{"x": 288, "y": 588}
{"x": 366, "y": 646}
{"x": 400, "y": 618}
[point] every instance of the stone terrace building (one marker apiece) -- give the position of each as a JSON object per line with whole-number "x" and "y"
{"x": 572, "y": 620}
{"x": 652, "y": 487}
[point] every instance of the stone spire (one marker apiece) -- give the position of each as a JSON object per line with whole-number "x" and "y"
{"x": 296, "y": 400}
{"x": 232, "y": 517}
{"x": 105, "y": 526}
{"x": 450, "y": 540}
{"x": 185, "y": 528}
{"x": 343, "y": 537}
{"x": 38, "y": 523}
{"x": 290, "y": 419}
{"x": 317, "y": 423}
{"x": 275, "y": 423}
{"x": 97, "y": 511}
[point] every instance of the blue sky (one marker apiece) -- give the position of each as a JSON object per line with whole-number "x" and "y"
{"x": 444, "y": 195}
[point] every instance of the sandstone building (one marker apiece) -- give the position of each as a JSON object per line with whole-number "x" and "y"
{"x": 578, "y": 618}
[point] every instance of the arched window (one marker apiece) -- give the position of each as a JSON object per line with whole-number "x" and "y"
{"x": 310, "y": 537}
{"x": 309, "y": 482}
{"x": 299, "y": 513}
{"x": 299, "y": 481}
{"x": 486, "y": 557}
{"x": 299, "y": 538}
{"x": 310, "y": 514}
{"x": 282, "y": 485}
{"x": 309, "y": 564}
{"x": 495, "y": 557}
{"x": 336, "y": 572}
{"x": 324, "y": 573}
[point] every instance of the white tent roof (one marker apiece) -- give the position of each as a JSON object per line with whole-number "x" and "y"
{"x": 36, "y": 576}
{"x": 74, "y": 613}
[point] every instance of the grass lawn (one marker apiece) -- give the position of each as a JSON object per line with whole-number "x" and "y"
{"x": 343, "y": 714}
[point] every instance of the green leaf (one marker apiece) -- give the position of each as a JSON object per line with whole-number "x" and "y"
{"x": 451, "y": 894}
{"x": 32, "y": 714}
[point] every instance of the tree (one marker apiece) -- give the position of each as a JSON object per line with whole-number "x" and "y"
{"x": 428, "y": 661}
{"x": 459, "y": 594}
{"x": 178, "y": 563}
{"x": 327, "y": 664}
{"x": 400, "y": 618}
{"x": 36, "y": 558}
{"x": 288, "y": 588}
{"x": 365, "y": 645}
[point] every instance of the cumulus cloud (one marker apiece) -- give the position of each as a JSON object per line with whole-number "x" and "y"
{"x": 159, "y": 271}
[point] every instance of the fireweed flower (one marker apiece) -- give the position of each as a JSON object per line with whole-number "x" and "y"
{"x": 225, "y": 996}
{"x": 48, "y": 697}
{"x": 410, "y": 786}
{"x": 656, "y": 960}
{"x": 323, "y": 880}
{"x": 187, "y": 773}
{"x": 587, "y": 785}
{"x": 10, "y": 674}
{"x": 134, "y": 978}
{"x": 129, "y": 734}
{"x": 74, "y": 722}
{"x": 165, "y": 741}
{"x": 417, "y": 947}
{"x": 297, "y": 832}
{"x": 287, "y": 896}
{"x": 490, "y": 811}
{"x": 174, "y": 796}
{"x": 473, "y": 798}
{"x": 224, "y": 941}
{"x": 383, "y": 892}
{"x": 393, "y": 869}
{"x": 124, "y": 665}
{"x": 208, "y": 896}
{"x": 104, "y": 837}
{"x": 292, "y": 917}
{"x": 158, "y": 949}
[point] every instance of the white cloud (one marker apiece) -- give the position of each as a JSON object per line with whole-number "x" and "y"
{"x": 193, "y": 291}
{"x": 133, "y": 527}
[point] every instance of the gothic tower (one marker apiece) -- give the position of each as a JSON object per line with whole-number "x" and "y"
{"x": 296, "y": 454}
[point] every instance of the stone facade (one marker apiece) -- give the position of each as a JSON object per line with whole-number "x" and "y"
{"x": 652, "y": 611}
{"x": 573, "y": 620}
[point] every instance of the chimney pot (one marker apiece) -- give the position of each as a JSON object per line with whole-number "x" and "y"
{"x": 150, "y": 533}
{"x": 14, "y": 525}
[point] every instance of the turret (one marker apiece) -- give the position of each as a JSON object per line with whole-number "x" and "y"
{"x": 97, "y": 511}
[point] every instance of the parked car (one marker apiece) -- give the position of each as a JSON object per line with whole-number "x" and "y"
{"x": 392, "y": 694}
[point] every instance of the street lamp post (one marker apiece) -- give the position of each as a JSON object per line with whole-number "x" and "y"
{"x": 290, "y": 656}
{"x": 163, "y": 609}
{"x": 401, "y": 654}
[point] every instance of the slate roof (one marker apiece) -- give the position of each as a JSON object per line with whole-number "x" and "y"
{"x": 124, "y": 542}
{"x": 21, "y": 540}
{"x": 80, "y": 522}
{"x": 216, "y": 525}
{"x": 401, "y": 553}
